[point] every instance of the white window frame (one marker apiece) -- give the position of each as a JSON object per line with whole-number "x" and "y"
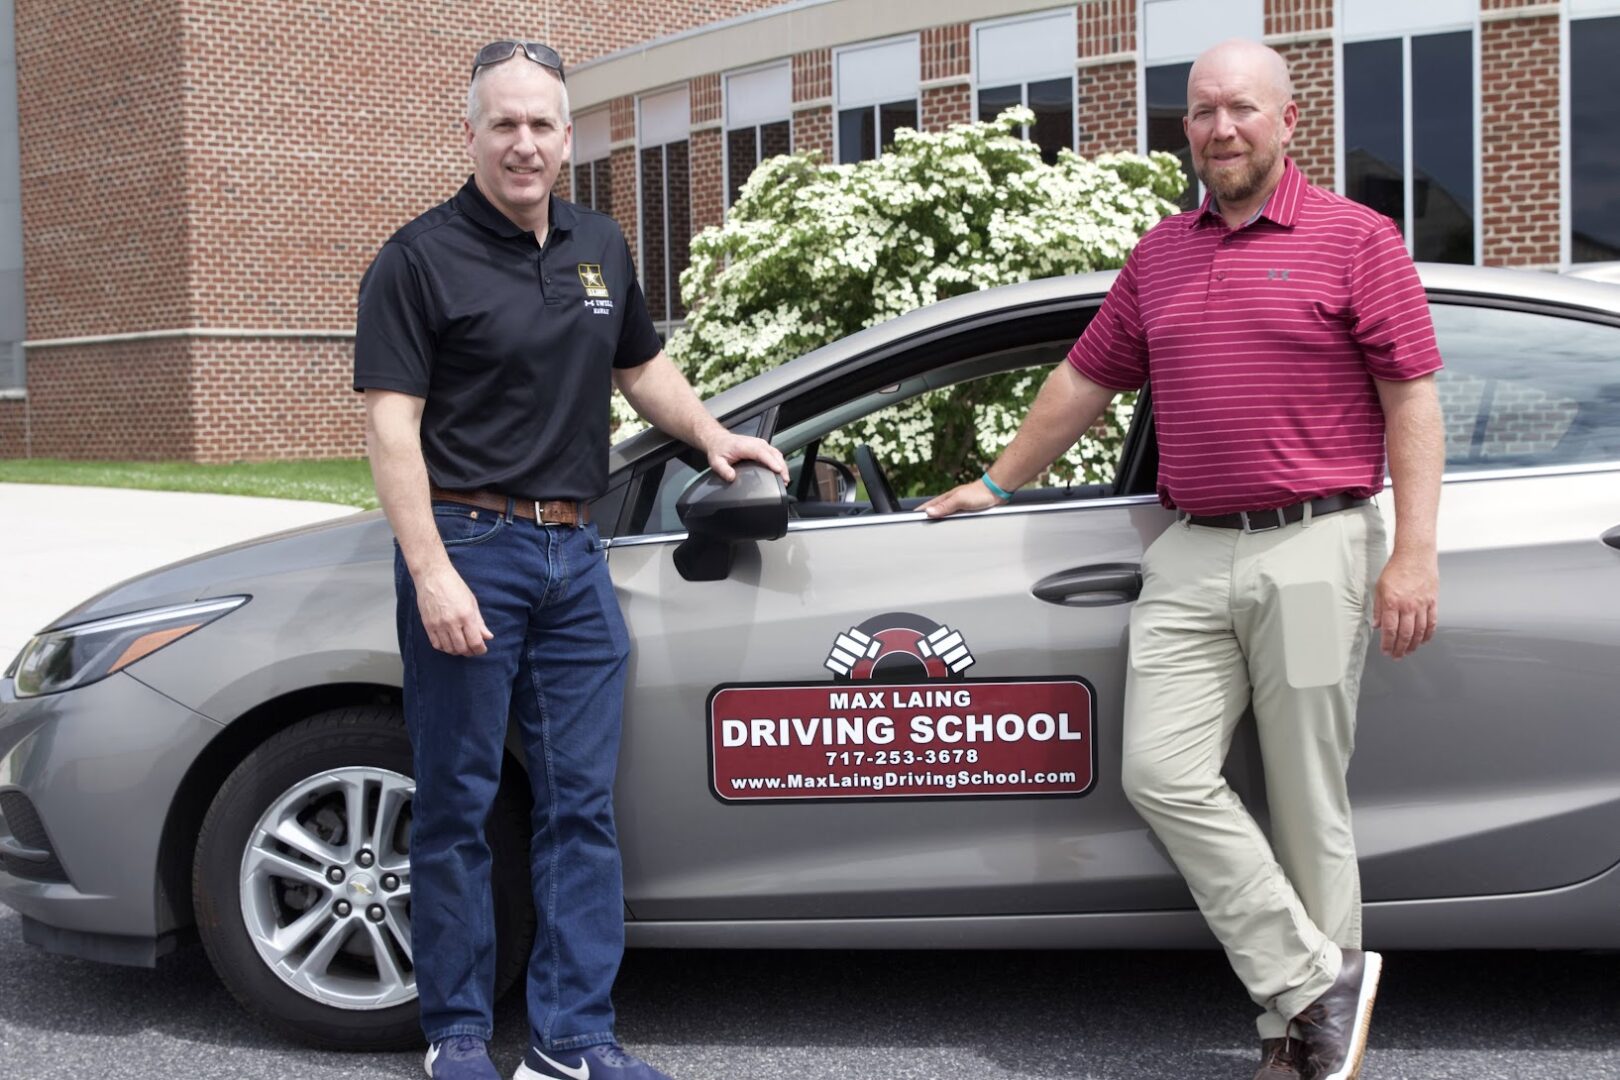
{"x": 1472, "y": 24}
{"x": 725, "y": 125}
{"x": 578, "y": 158}
{"x": 1572, "y": 11}
{"x": 662, "y": 320}
{"x": 1067, "y": 70}
{"x": 840, "y": 104}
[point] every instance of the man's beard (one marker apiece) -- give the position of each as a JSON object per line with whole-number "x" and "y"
{"x": 1237, "y": 186}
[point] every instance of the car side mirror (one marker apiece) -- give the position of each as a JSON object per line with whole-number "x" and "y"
{"x": 718, "y": 516}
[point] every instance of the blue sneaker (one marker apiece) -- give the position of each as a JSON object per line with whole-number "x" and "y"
{"x": 605, "y": 1062}
{"x": 460, "y": 1057}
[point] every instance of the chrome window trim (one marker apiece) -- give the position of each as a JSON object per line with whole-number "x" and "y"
{"x": 1532, "y": 471}
{"x": 872, "y": 520}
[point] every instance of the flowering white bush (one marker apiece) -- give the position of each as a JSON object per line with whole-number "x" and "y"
{"x": 813, "y": 252}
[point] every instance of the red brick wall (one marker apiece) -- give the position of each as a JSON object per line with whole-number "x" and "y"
{"x": 943, "y": 106}
{"x": 1105, "y": 104}
{"x": 263, "y": 399}
{"x": 105, "y": 238}
{"x": 129, "y": 399}
{"x": 1298, "y": 16}
{"x": 812, "y": 81}
{"x": 1310, "y": 64}
{"x": 1106, "y": 27}
{"x": 13, "y": 428}
{"x": 708, "y": 180}
{"x": 622, "y": 129}
{"x": 1105, "y": 94}
{"x": 946, "y": 52}
{"x": 1519, "y": 141}
{"x": 705, "y": 96}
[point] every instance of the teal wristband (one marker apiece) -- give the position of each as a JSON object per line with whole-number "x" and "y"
{"x": 995, "y": 488}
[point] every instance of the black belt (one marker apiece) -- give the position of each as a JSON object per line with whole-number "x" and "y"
{"x": 1252, "y": 521}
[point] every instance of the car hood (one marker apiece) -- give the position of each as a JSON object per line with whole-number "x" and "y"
{"x": 223, "y": 572}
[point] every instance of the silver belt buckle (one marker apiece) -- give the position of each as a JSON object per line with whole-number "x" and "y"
{"x": 1243, "y": 516}
{"x": 539, "y": 515}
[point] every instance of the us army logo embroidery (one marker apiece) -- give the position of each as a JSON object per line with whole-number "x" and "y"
{"x": 590, "y": 275}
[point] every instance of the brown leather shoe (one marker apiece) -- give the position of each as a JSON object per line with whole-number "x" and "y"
{"x": 1279, "y": 1059}
{"x": 1334, "y": 1026}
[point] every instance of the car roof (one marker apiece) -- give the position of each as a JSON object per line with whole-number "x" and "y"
{"x": 1532, "y": 286}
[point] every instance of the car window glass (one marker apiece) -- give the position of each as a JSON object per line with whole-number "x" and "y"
{"x": 1525, "y": 389}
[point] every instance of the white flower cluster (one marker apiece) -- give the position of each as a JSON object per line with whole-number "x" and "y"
{"x": 813, "y": 252}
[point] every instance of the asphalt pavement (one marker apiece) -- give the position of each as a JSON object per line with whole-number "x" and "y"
{"x": 861, "y": 1016}
{"x": 62, "y": 545}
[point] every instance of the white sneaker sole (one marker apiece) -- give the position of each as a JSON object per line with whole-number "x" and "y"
{"x": 1372, "y": 968}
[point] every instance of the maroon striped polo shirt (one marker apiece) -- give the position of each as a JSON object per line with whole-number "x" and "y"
{"x": 1262, "y": 344}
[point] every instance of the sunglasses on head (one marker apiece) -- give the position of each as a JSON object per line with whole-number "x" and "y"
{"x": 498, "y": 51}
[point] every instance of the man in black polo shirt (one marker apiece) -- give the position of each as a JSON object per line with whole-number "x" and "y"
{"x": 491, "y": 332}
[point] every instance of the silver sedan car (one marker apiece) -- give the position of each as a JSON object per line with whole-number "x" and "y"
{"x": 847, "y": 726}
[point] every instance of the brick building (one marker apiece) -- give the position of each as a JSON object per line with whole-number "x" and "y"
{"x": 198, "y": 199}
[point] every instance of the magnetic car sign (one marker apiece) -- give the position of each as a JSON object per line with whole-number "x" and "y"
{"x": 901, "y": 719}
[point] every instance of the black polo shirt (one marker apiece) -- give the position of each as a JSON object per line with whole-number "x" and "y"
{"x": 511, "y": 345}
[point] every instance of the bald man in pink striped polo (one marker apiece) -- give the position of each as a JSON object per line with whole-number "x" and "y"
{"x": 1288, "y": 344}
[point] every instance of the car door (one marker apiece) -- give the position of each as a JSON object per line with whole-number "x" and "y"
{"x": 880, "y": 715}
{"x": 1489, "y": 762}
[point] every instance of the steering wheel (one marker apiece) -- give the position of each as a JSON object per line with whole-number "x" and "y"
{"x": 877, "y": 485}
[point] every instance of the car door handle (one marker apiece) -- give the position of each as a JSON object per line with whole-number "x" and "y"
{"x": 1091, "y": 586}
{"x": 1612, "y": 537}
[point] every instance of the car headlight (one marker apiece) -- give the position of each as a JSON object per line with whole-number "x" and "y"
{"x": 60, "y": 660}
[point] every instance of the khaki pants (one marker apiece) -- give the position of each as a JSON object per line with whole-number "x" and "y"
{"x": 1279, "y": 619}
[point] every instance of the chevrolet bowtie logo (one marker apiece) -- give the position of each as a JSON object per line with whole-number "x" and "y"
{"x": 361, "y": 886}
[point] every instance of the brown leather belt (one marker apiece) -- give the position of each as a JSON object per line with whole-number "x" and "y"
{"x": 1252, "y": 521}
{"x": 547, "y": 512}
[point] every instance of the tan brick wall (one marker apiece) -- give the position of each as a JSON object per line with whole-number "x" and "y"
{"x": 1310, "y": 64}
{"x": 125, "y": 400}
{"x": 1519, "y": 159}
{"x": 255, "y": 400}
{"x": 708, "y": 179}
{"x": 946, "y": 51}
{"x": 105, "y": 240}
{"x": 1298, "y": 16}
{"x": 1105, "y": 104}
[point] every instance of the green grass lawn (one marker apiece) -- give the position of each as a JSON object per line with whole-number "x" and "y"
{"x": 346, "y": 481}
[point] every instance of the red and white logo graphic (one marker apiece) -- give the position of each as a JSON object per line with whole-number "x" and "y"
{"x": 898, "y": 647}
{"x": 901, "y": 719}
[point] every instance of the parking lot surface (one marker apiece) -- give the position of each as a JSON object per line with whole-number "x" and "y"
{"x": 61, "y": 545}
{"x": 853, "y": 1016}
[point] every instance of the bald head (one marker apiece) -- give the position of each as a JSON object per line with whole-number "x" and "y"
{"x": 1240, "y": 118}
{"x": 1260, "y": 66}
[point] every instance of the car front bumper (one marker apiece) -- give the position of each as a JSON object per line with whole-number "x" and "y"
{"x": 90, "y": 776}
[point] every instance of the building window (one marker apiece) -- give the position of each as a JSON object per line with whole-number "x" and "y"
{"x": 758, "y": 106}
{"x": 593, "y": 162}
{"x": 1174, "y": 33}
{"x": 1166, "y": 105}
{"x": 1408, "y": 116}
{"x": 666, "y": 201}
{"x": 1594, "y": 152}
{"x": 875, "y": 86}
{"x": 1029, "y": 61}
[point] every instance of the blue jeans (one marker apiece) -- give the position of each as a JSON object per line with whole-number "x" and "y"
{"x": 556, "y": 665}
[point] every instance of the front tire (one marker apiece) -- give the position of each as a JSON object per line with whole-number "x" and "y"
{"x": 302, "y": 882}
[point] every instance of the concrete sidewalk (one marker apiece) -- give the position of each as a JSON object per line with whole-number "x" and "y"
{"x": 61, "y": 545}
